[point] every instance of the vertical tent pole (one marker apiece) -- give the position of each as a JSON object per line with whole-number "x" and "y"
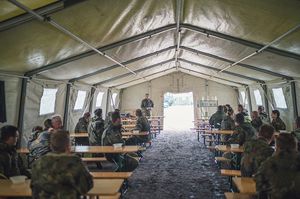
{"x": 92, "y": 99}
{"x": 249, "y": 99}
{"x": 67, "y": 102}
{"x": 294, "y": 99}
{"x": 107, "y": 101}
{"x": 264, "y": 87}
{"x": 22, "y": 109}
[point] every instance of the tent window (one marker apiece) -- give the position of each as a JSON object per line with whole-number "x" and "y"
{"x": 80, "y": 100}
{"x": 113, "y": 100}
{"x": 48, "y": 99}
{"x": 257, "y": 97}
{"x": 279, "y": 98}
{"x": 99, "y": 99}
{"x": 244, "y": 99}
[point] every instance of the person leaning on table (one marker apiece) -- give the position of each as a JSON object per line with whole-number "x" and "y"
{"x": 279, "y": 176}
{"x": 59, "y": 174}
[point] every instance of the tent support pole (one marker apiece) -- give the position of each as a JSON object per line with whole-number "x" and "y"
{"x": 294, "y": 98}
{"x": 22, "y": 109}
{"x": 67, "y": 102}
{"x": 92, "y": 99}
{"x": 264, "y": 87}
{"x": 249, "y": 100}
{"x": 107, "y": 101}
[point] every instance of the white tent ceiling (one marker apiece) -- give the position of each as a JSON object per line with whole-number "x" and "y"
{"x": 143, "y": 34}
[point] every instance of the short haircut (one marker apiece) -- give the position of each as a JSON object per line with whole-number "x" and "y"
{"x": 276, "y": 112}
{"x": 239, "y": 118}
{"x": 98, "y": 112}
{"x": 7, "y": 132}
{"x": 220, "y": 108}
{"x": 241, "y": 106}
{"x": 138, "y": 112}
{"x": 261, "y": 108}
{"x": 286, "y": 142}
{"x": 59, "y": 140}
{"x": 266, "y": 131}
{"x": 47, "y": 124}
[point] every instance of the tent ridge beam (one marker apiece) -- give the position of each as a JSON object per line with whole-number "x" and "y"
{"x": 126, "y": 62}
{"x": 227, "y": 72}
{"x": 239, "y": 64}
{"x": 240, "y": 41}
{"x": 137, "y": 71}
{"x": 141, "y": 36}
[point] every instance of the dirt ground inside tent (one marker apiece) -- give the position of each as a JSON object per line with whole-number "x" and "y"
{"x": 177, "y": 166}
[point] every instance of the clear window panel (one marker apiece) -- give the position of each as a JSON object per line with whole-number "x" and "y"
{"x": 257, "y": 97}
{"x": 48, "y": 100}
{"x": 80, "y": 100}
{"x": 279, "y": 98}
{"x": 99, "y": 99}
{"x": 113, "y": 100}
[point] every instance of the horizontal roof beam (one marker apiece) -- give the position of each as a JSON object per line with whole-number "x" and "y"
{"x": 125, "y": 63}
{"x": 104, "y": 48}
{"x": 240, "y": 64}
{"x": 136, "y": 71}
{"x": 226, "y": 72}
{"x": 240, "y": 41}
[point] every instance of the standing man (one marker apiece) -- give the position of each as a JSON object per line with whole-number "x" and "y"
{"x": 216, "y": 119}
{"x": 147, "y": 105}
{"x": 83, "y": 123}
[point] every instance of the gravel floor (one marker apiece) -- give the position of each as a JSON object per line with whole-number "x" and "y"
{"x": 177, "y": 166}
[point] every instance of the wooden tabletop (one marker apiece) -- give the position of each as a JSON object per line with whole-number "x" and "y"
{"x": 79, "y": 135}
{"x": 225, "y": 148}
{"x": 222, "y": 132}
{"x": 135, "y": 134}
{"x": 102, "y": 187}
{"x": 245, "y": 185}
{"x": 128, "y": 125}
{"x": 94, "y": 149}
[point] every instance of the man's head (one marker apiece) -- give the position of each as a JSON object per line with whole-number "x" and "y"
{"x": 239, "y": 118}
{"x": 47, "y": 124}
{"x": 254, "y": 115}
{"x": 286, "y": 142}
{"x": 230, "y": 111}
{"x": 225, "y": 109}
{"x": 9, "y": 135}
{"x": 260, "y": 109}
{"x": 60, "y": 141}
{"x": 87, "y": 116}
{"x": 240, "y": 108}
{"x": 275, "y": 114}
{"x": 266, "y": 131}
{"x": 116, "y": 118}
{"x": 98, "y": 112}
{"x": 138, "y": 113}
{"x": 220, "y": 108}
{"x": 147, "y": 95}
{"x": 56, "y": 122}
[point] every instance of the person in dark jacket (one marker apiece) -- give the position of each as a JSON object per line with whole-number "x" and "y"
{"x": 256, "y": 122}
{"x": 277, "y": 122}
{"x": 83, "y": 123}
{"x": 11, "y": 163}
{"x": 216, "y": 119}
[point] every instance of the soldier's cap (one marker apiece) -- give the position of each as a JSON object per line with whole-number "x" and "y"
{"x": 98, "y": 111}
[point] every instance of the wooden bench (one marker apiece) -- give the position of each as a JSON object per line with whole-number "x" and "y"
{"x": 111, "y": 175}
{"x": 94, "y": 159}
{"x": 117, "y": 196}
{"x": 231, "y": 173}
{"x": 230, "y": 195}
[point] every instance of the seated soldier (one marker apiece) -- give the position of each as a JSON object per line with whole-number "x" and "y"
{"x": 216, "y": 119}
{"x": 34, "y": 134}
{"x": 11, "y": 163}
{"x": 227, "y": 123}
{"x": 256, "y": 121}
{"x": 296, "y": 132}
{"x": 242, "y": 132}
{"x": 263, "y": 115}
{"x": 279, "y": 176}
{"x": 277, "y": 122}
{"x": 142, "y": 125}
{"x": 83, "y": 123}
{"x": 96, "y": 128}
{"x": 60, "y": 174}
{"x": 107, "y": 121}
{"x": 40, "y": 146}
{"x": 257, "y": 150}
{"x": 47, "y": 124}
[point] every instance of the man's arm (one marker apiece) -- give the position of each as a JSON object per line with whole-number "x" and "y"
{"x": 85, "y": 180}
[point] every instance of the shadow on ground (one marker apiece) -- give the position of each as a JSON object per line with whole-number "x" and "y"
{"x": 177, "y": 166}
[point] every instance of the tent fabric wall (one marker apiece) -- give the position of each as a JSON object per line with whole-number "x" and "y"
{"x": 12, "y": 99}
{"x": 32, "y": 105}
{"x": 253, "y": 100}
{"x": 297, "y": 84}
{"x": 176, "y": 83}
{"x": 103, "y": 103}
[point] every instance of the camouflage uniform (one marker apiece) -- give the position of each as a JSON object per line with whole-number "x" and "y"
{"x": 255, "y": 152}
{"x": 95, "y": 130}
{"x": 60, "y": 176}
{"x": 216, "y": 119}
{"x": 264, "y": 117}
{"x": 279, "y": 176}
{"x": 241, "y": 134}
{"x": 40, "y": 146}
{"x": 11, "y": 163}
{"x": 227, "y": 124}
{"x": 107, "y": 121}
{"x": 256, "y": 123}
{"x": 82, "y": 126}
{"x": 142, "y": 125}
{"x": 278, "y": 124}
{"x": 146, "y": 105}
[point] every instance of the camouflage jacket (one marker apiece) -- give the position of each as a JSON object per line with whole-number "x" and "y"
{"x": 11, "y": 163}
{"x": 255, "y": 152}
{"x": 264, "y": 118}
{"x": 142, "y": 124}
{"x": 96, "y": 129}
{"x": 60, "y": 176}
{"x": 147, "y": 103}
{"x": 257, "y": 123}
{"x": 81, "y": 126}
{"x": 227, "y": 123}
{"x": 241, "y": 134}
{"x": 216, "y": 119}
{"x": 278, "y": 124}
{"x": 279, "y": 176}
{"x": 40, "y": 146}
{"x": 111, "y": 135}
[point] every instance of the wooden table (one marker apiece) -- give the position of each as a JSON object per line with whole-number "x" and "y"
{"x": 221, "y": 132}
{"x": 224, "y": 148}
{"x": 79, "y": 135}
{"x": 135, "y": 134}
{"x": 245, "y": 185}
{"x": 102, "y": 187}
{"x": 94, "y": 149}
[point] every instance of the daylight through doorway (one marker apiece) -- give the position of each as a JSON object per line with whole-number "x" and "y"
{"x": 178, "y": 111}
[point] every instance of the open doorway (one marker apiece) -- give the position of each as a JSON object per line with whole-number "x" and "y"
{"x": 178, "y": 111}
